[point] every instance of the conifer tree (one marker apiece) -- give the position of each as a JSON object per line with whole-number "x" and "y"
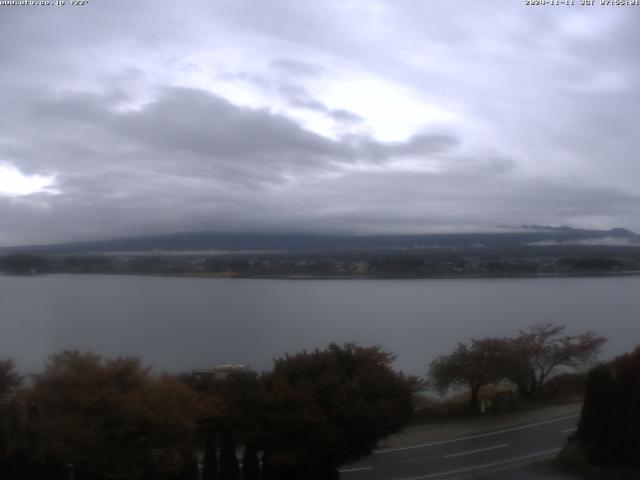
{"x": 229, "y": 468}
{"x": 250, "y": 463}
{"x": 210, "y": 459}
{"x": 594, "y": 427}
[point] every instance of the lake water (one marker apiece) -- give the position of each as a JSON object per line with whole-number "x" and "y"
{"x": 178, "y": 324}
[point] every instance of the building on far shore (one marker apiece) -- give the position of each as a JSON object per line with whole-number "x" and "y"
{"x": 222, "y": 371}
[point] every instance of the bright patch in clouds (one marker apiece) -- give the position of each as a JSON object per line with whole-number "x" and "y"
{"x": 392, "y": 112}
{"x": 15, "y": 183}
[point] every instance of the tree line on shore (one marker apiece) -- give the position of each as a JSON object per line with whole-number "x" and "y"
{"x": 410, "y": 263}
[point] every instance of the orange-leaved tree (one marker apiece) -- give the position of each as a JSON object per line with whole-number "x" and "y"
{"x": 111, "y": 418}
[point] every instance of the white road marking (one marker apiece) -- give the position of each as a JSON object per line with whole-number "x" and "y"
{"x": 499, "y": 468}
{"x": 471, "y": 437}
{"x": 357, "y": 469}
{"x": 469, "y": 452}
{"x": 569, "y": 430}
{"x": 486, "y": 465}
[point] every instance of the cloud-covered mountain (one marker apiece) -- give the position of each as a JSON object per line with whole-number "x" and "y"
{"x": 203, "y": 242}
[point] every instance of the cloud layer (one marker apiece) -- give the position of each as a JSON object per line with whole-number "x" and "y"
{"x": 350, "y": 117}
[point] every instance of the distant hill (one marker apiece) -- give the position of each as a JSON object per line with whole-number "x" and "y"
{"x": 538, "y": 236}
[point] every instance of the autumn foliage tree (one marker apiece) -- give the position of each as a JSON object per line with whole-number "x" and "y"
{"x": 112, "y": 418}
{"x": 527, "y": 360}
{"x": 543, "y": 349}
{"x": 474, "y": 366}
{"x": 329, "y": 407}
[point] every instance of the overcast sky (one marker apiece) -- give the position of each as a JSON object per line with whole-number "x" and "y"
{"x": 122, "y": 118}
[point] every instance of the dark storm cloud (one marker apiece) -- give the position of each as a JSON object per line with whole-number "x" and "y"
{"x": 348, "y": 117}
{"x": 191, "y": 128}
{"x": 194, "y": 121}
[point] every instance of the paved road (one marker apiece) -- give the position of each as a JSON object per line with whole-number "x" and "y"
{"x": 517, "y": 452}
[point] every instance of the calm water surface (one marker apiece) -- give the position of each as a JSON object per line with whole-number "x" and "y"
{"x": 183, "y": 323}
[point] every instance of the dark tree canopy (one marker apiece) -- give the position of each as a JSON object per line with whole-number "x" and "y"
{"x": 609, "y": 425}
{"x": 12, "y": 432}
{"x": 240, "y": 406}
{"x": 593, "y": 427}
{"x": 329, "y": 407}
{"x": 10, "y": 380}
{"x": 115, "y": 418}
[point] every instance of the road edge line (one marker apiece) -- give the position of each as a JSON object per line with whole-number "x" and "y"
{"x": 471, "y": 437}
{"x": 486, "y": 465}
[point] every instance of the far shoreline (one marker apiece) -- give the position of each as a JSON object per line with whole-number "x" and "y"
{"x": 303, "y": 277}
